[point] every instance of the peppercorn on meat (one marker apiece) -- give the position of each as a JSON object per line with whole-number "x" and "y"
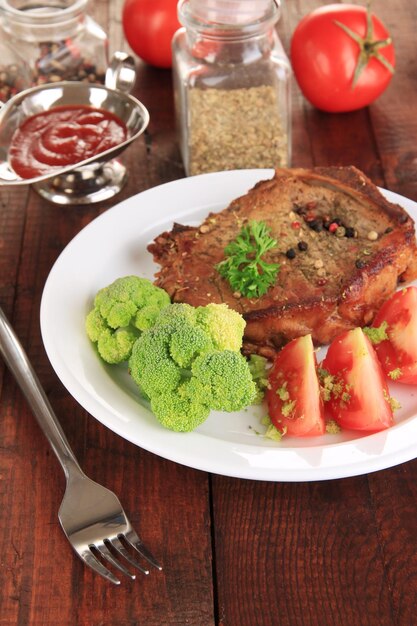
{"x": 341, "y": 246}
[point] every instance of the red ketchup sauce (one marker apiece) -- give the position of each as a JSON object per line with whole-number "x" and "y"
{"x": 64, "y": 135}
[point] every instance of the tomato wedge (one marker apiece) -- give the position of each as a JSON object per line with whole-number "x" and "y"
{"x": 397, "y": 352}
{"x": 356, "y": 390}
{"x": 293, "y": 397}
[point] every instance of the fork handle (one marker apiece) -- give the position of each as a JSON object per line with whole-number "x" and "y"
{"x": 20, "y": 366}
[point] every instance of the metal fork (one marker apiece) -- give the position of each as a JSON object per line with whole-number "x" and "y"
{"x": 91, "y": 516}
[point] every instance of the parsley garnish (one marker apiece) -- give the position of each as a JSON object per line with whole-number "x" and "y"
{"x": 244, "y": 266}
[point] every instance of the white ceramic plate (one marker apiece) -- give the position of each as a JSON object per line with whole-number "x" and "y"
{"x": 114, "y": 245}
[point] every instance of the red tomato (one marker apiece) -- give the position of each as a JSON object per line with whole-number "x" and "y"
{"x": 294, "y": 401}
{"x": 324, "y": 58}
{"x": 398, "y": 353}
{"x": 149, "y": 26}
{"x": 358, "y": 395}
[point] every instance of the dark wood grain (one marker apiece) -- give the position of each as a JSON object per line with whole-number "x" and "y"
{"x": 312, "y": 548}
{"x": 341, "y": 552}
{"x": 235, "y": 552}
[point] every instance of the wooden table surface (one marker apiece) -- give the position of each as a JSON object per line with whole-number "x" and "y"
{"x": 235, "y": 552}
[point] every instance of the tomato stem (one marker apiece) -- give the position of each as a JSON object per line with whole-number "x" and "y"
{"x": 368, "y": 47}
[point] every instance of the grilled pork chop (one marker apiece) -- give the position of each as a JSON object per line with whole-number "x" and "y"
{"x": 342, "y": 248}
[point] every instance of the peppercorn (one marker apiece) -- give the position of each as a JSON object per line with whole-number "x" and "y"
{"x": 360, "y": 264}
{"x": 63, "y": 61}
{"x": 302, "y": 246}
{"x": 350, "y": 232}
{"x": 13, "y": 78}
{"x": 290, "y": 254}
{"x": 316, "y": 225}
{"x": 300, "y": 210}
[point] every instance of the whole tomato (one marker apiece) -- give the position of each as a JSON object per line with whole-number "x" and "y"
{"x": 149, "y": 26}
{"x": 342, "y": 57}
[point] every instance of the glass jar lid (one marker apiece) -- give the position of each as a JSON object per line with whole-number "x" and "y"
{"x": 35, "y": 12}
{"x": 231, "y": 11}
{"x": 226, "y": 18}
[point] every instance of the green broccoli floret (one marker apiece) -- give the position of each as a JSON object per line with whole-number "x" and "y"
{"x": 177, "y": 315}
{"x": 187, "y": 343}
{"x": 224, "y": 326}
{"x": 225, "y": 380}
{"x": 183, "y": 368}
{"x": 183, "y": 409}
{"x": 151, "y": 365}
{"x": 123, "y": 310}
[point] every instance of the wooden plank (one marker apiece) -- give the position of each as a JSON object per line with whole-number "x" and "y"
{"x": 166, "y": 502}
{"x": 310, "y": 553}
{"x": 12, "y": 220}
{"x": 394, "y": 495}
{"x": 302, "y": 553}
{"x": 339, "y": 552}
{"x": 394, "y": 113}
{"x": 44, "y": 582}
{"x": 30, "y": 519}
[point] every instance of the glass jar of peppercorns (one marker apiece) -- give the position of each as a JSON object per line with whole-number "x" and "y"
{"x": 14, "y": 73}
{"x": 55, "y": 39}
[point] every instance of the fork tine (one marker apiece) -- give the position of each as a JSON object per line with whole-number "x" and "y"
{"x": 133, "y": 539}
{"x": 117, "y": 545}
{"x": 106, "y": 554}
{"x": 89, "y": 558}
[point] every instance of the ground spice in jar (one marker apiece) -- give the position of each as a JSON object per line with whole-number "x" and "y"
{"x": 235, "y": 129}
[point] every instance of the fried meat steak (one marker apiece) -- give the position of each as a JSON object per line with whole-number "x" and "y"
{"x": 342, "y": 247}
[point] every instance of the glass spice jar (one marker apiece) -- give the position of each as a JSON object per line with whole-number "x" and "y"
{"x": 55, "y": 39}
{"x": 14, "y": 73}
{"x": 231, "y": 86}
